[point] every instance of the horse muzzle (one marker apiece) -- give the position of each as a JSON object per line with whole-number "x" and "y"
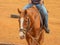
{"x": 22, "y": 35}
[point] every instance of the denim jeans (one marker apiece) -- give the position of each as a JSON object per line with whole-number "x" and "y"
{"x": 42, "y": 11}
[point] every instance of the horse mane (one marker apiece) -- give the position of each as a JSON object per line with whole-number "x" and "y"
{"x": 33, "y": 9}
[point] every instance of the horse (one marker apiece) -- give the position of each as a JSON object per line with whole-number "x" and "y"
{"x": 30, "y": 26}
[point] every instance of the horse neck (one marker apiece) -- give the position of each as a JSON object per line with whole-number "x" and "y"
{"x": 35, "y": 18}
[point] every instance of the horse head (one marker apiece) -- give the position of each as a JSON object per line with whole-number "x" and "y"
{"x": 24, "y": 23}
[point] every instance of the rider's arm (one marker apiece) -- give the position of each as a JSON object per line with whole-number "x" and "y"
{"x": 29, "y": 1}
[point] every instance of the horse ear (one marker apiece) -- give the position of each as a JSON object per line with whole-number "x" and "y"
{"x": 19, "y": 10}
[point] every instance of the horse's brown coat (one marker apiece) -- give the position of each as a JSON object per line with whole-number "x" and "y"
{"x": 34, "y": 16}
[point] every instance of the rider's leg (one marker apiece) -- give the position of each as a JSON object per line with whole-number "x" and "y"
{"x": 28, "y": 6}
{"x": 44, "y": 12}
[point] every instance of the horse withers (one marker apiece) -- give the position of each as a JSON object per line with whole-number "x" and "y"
{"x": 29, "y": 24}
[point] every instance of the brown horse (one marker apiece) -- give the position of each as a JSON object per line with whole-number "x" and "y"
{"x": 29, "y": 24}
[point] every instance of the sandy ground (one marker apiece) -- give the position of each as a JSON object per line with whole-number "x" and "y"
{"x": 9, "y": 30}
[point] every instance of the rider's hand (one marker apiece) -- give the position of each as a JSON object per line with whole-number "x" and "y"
{"x": 41, "y": 2}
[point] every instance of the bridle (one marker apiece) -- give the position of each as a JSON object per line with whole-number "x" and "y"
{"x": 25, "y": 30}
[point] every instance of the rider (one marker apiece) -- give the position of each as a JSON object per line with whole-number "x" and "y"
{"x": 40, "y": 6}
